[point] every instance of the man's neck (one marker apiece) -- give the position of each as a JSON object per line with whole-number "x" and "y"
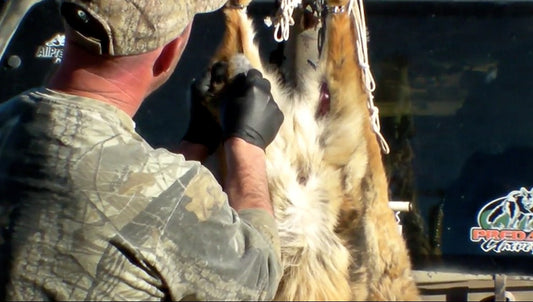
{"x": 120, "y": 81}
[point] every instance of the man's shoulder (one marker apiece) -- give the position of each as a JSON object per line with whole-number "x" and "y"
{"x": 54, "y": 104}
{"x": 17, "y": 104}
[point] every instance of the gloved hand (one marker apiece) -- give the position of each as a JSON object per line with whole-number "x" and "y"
{"x": 203, "y": 128}
{"x": 249, "y": 111}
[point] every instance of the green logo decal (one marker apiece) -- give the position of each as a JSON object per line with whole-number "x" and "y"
{"x": 506, "y": 224}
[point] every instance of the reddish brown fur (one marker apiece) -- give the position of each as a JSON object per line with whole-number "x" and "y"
{"x": 358, "y": 218}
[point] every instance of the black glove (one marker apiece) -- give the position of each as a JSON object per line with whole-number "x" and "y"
{"x": 203, "y": 128}
{"x": 249, "y": 111}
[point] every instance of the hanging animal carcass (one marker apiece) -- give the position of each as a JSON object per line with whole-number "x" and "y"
{"x": 339, "y": 237}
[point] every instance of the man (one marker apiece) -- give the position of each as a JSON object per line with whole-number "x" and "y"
{"x": 97, "y": 214}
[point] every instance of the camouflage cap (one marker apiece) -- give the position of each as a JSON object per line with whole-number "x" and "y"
{"x": 119, "y": 27}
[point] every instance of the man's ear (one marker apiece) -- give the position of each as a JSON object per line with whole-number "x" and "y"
{"x": 169, "y": 56}
{"x": 165, "y": 61}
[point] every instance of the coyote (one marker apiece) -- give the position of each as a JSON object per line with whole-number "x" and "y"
{"x": 339, "y": 238}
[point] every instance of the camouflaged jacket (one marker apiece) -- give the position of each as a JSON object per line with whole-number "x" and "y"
{"x": 100, "y": 215}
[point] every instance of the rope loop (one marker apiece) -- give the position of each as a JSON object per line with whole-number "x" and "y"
{"x": 283, "y": 20}
{"x": 357, "y": 10}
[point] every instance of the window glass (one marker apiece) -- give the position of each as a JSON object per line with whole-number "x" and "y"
{"x": 454, "y": 91}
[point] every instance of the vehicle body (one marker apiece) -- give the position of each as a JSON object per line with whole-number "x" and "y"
{"x": 453, "y": 87}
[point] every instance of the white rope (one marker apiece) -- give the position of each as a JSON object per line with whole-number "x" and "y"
{"x": 283, "y": 19}
{"x": 357, "y": 9}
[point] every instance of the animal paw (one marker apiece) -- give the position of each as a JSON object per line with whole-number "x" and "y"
{"x": 239, "y": 3}
{"x": 338, "y": 2}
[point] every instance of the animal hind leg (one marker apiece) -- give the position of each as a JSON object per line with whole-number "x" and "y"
{"x": 382, "y": 269}
{"x": 345, "y": 146}
{"x": 238, "y": 37}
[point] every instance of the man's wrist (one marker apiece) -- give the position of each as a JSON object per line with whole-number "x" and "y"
{"x": 246, "y": 182}
{"x": 242, "y": 147}
{"x": 192, "y": 151}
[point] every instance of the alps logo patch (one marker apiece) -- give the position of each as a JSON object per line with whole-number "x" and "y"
{"x": 52, "y": 49}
